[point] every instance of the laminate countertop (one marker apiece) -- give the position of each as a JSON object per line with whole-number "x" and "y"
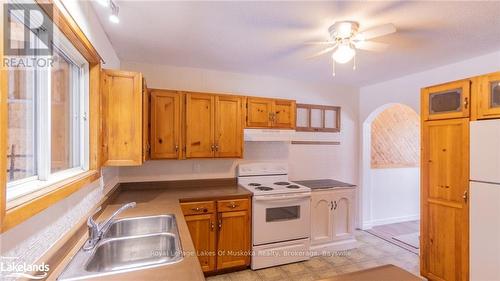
{"x": 324, "y": 184}
{"x": 156, "y": 202}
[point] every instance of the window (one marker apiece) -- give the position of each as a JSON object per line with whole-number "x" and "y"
{"x": 48, "y": 131}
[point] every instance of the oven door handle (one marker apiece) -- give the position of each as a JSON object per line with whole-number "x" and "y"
{"x": 274, "y": 198}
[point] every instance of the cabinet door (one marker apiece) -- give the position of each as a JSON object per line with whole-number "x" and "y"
{"x": 284, "y": 114}
{"x": 489, "y": 96}
{"x": 200, "y": 115}
{"x": 444, "y": 192}
{"x": 202, "y": 231}
{"x": 233, "y": 243}
{"x": 165, "y": 124}
{"x": 446, "y": 101}
{"x": 228, "y": 126}
{"x": 343, "y": 214}
{"x": 259, "y": 112}
{"x": 321, "y": 217}
{"x": 122, "y": 122}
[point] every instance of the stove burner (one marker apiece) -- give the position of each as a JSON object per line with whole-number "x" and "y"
{"x": 264, "y": 188}
{"x": 282, "y": 183}
{"x": 293, "y": 186}
{"x": 254, "y": 184}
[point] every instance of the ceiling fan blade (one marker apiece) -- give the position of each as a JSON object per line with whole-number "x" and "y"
{"x": 371, "y": 46}
{"x": 320, "y": 43}
{"x": 329, "y": 49}
{"x": 377, "y": 31}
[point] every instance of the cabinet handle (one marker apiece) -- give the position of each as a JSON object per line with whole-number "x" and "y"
{"x": 331, "y": 205}
{"x": 216, "y": 147}
{"x": 213, "y": 147}
{"x": 466, "y": 102}
{"x": 212, "y": 226}
{"x": 465, "y": 196}
{"x": 176, "y": 148}
{"x": 232, "y": 205}
{"x": 220, "y": 222}
{"x": 335, "y": 202}
{"x": 198, "y": 209}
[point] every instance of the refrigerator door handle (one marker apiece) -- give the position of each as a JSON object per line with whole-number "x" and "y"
{"x": 465, "y": 196}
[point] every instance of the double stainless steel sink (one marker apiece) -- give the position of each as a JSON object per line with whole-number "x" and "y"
{"x": 129, "y": 244}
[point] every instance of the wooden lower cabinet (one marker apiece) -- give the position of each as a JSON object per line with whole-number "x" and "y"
{"x": 202, "y": 230}
{"x": 233, "y": 239}
{"x": 221, "y": 235}
{"x": 332, "y": 217}
{"x": 444, "y": 251}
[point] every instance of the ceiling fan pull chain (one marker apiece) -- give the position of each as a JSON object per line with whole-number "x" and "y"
{"x": 333, "y": 67}
{"x": 354, "y": 63}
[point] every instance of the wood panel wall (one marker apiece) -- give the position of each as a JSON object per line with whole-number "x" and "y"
{"x": 395, "y": 139}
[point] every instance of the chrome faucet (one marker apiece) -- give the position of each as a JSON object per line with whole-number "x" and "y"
{"x": 97, "y": 230}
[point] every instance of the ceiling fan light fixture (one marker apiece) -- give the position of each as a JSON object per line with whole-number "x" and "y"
{"x": 343, "y": 54}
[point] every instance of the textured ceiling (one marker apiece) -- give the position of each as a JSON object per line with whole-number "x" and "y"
{"x": 267, "y": 38}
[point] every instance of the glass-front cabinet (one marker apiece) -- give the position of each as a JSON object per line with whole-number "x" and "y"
{"x": 446, "y": 101}
{"x": 489, "y": 96}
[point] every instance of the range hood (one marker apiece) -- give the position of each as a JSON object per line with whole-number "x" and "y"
{"x": 268, "y": 135}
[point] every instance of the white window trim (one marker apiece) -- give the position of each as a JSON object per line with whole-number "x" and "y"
{"x": 44, "y": 177}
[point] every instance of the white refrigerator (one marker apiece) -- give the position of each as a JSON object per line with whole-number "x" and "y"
{"x": 485, "y": 200}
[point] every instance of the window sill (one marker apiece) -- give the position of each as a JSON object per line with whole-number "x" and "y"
{"x": 23, "y": 208}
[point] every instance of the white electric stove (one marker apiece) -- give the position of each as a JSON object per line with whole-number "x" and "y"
{"x": 281, "y": 214}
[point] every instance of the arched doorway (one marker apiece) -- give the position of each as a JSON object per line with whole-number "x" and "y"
{"x": 390, "y": 173}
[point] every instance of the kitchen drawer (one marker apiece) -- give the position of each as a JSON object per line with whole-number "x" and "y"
{"x": 232, "y": 205}
{"x": 196, "y": 208}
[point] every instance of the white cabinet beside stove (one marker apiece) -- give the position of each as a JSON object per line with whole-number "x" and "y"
{"x": 332, "y": 219}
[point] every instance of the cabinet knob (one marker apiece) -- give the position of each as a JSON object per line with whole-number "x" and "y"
{"x": 465, "y": 196}
{"x": 466, "y": 102}
{"x": 233, "y": 205}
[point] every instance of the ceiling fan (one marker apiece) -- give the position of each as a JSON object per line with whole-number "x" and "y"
{"x": 345, "y": 39}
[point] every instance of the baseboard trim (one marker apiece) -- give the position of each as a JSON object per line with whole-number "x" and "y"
{"x": 372, "y": 223}
{"x": 316, "y": 250}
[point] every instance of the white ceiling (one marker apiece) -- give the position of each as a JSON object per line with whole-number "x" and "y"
{"x": 267, "y": 38}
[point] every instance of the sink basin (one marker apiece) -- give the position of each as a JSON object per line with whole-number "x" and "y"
{"x": 127, "y": 245}
{"x": 140, "y": 226}
{"x": 130, "y": 252}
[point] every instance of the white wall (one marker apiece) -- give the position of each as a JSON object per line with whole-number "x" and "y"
{"x": 306, "y": 162}
{"x": 404, "y": 90}
{"x": 395, "y": 195}
{"x": 31, "y": 239}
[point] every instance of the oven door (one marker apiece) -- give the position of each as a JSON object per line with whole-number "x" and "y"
{"x": 278, "y": 218}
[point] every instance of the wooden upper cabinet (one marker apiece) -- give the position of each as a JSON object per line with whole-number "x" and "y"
{"x": 259, "y": 112}
{"x": 444, "y": 200}
{"x": 228, "y": 126}
{"x": 284, "y": 114}
{"x": 489, "y": 96}
{"x": 122, "y": 118}
{"x": 200, "y": 115}
{"x": 451, "y": 100}
{"x": 165, "y": 124}
{"x": 270, "y": 113}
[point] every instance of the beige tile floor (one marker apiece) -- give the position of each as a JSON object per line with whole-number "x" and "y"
{"x": 372, "y": 252}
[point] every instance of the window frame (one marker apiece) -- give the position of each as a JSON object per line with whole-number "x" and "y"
{"x": 18, "y": 210}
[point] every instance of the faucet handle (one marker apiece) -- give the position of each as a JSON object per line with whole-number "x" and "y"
{"x": 93, "y": 231}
